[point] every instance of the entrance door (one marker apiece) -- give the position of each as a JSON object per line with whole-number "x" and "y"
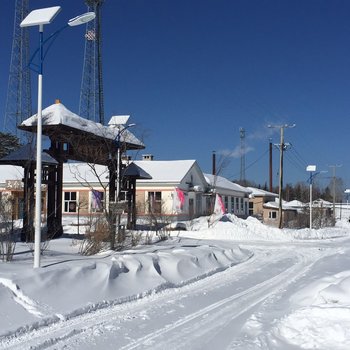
{"x": 191, "y": 208}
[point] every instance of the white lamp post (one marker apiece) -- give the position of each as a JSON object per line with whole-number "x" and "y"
{"x": 39, "y": 18}
{"x": 311, "y": 169}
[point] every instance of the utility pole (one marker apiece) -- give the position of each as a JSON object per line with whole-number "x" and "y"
{"x": 270, "y": 165}
{"x": 333, "y": 177}
{"x": 282, "y": 147}
{"x": 242, "y": 151}
{"x": 214, "y": 163}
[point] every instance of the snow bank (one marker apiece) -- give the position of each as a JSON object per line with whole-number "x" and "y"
{"x": 68, "y": 286}
{"x": 230, "y": 227}
{"x": 322, "y": 316}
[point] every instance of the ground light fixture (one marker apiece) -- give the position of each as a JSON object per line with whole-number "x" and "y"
{"x": 41, "y": 17}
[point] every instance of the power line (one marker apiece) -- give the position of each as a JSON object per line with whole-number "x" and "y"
{"x": 233, "y": 176}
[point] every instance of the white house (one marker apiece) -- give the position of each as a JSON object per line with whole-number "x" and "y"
{"x": 177, "y": 189}
{"x": 171, "y": 179}
{"x": 235, "y": 197}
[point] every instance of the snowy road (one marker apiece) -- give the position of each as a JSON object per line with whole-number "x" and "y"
{"x": 233, "y": 309}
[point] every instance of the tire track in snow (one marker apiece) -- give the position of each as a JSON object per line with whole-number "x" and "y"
{"x": 20, "y": 298}
{"x": 65, "y": 333}
{"x": 45, "y": 335}
{"x": 211, "y": 319}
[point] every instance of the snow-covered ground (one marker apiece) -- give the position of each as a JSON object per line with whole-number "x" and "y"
{"x": 236, "y": 285}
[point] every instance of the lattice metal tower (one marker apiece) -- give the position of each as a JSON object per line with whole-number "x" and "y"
{"x": 19, "y": 100}
{"x": 242, "y": 153}
{"x": 91, "y": 105}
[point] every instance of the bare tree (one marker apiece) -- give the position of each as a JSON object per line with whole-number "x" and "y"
{"x": 156, "y": 218}
{"x": 7, "y": 234}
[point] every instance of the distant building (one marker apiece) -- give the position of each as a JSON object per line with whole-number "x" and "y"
{"x": 234, "y": 196}
{"x": 257, "y": 199}
{"x": 271, "y": 213}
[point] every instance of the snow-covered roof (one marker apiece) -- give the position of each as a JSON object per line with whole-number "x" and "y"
{"x": 295, "y": 204}
{"x": 25, "y": 155}
{"x": 172, "y": 171}
{"x": 10, "y": 172}
{"x": 58, "y": 114}
{"x": 223, "y": 183}
{"x": 161, "y": 171}
{"x": 84, "y": 173}
{"x": 275, "y": 205}
{"x": 321, "y": 202}
{"x": 258, "y": 192}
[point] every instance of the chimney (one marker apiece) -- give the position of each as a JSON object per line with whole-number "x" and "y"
{"x": 147, "y": 157}
{"x": 214, "y": 163}
{"x": 57, "y": 101}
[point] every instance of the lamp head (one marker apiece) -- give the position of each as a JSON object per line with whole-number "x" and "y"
{"x": 311, "y": 168}
{"x": 118, "y": 120}
{"x": 40, "y": 17}
{"x": 81, "y": 19}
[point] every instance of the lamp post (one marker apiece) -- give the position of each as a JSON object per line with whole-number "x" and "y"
{"x": 120, "y": 132}
{"x": 311, "y": 169}
{"x": 119, "y": 123}
{"x": 39, "y": 18}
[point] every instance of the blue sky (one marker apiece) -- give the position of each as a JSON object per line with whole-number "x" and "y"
{"x": 191, "y": 73}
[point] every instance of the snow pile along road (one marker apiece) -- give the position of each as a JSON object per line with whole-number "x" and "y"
{"x": 287, "y": 288}
{"x": 321, "y": 319}
{"x": 230, "y": 227}
{"x": 69, "y": 288}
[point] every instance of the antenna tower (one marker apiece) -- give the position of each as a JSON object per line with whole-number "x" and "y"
{"x": 91, "y": 105}
{"x": 19, "y": 99}
{"x": 242, "y": 152}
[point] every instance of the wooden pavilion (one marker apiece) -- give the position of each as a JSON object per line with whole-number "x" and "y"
{"x": 77, "y": 139}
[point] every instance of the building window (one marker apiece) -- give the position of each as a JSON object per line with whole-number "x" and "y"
{"x": 209, "y": 205}
{"x": 97, "y": 200}
{"x": 237, "y": 205}
{"x": 272, "y": 215}
{"x": 232, "y": 205}
{"x": 198, "y": 203}
{"x": 242, "y": 205}
{"x": 251, "y": 208}
{"x": 70, "y": 202}
{"x": 155, "y": 202}
{"x": 226, "y": 203}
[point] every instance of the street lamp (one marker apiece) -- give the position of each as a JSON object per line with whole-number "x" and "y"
{"x": 311, "y": 169}
{"x": 117, "y": 141}
{"x": 119, "y": 122}
{"x": 39, "y": 18}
